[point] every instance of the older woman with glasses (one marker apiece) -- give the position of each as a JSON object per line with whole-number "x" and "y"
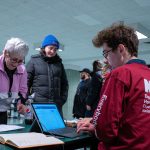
{"x": 13, "y": 75}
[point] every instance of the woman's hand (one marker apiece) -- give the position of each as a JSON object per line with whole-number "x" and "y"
{"x": 21, "y": 108}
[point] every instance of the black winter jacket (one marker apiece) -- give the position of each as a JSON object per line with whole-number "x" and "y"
{"x": 79, "y": 106}
{"x": 47, "y": 79}
{"x": 94, "y": 91}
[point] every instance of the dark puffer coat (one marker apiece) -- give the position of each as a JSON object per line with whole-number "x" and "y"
{"x": 79, "y": 106}
{"x": 47, "y": 79}
{"x": 94, "y": 93}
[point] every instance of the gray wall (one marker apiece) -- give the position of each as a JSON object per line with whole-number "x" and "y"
{"x": 73, "y": 79}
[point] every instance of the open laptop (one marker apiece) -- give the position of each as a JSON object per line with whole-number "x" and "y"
{"x": 50, "y": 120}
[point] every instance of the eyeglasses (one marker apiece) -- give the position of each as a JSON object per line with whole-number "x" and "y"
{"x": 105, "y": 53}
{"x": 15, "y": 60}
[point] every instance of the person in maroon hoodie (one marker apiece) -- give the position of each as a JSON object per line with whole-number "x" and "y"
{"x": 122, "y": 118}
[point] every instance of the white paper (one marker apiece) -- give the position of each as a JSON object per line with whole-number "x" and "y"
{"x": 4, "y": 127}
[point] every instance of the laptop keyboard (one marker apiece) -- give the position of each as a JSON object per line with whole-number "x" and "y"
{"x": 66, "y": 132}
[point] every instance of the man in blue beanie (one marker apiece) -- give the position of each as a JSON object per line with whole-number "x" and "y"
{"x": 46, "y": 74}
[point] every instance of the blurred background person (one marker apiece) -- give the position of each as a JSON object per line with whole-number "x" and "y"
{"x": 106, "y": 68}
{"x": 13, "y": 75}
{"x": 46, "y": 74}
{"x": 94, "y": 88}
{"x": 79, "y": 106}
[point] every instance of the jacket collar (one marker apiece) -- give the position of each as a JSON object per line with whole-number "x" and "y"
{"x": 139, "y": 61}
{"x": 52, "y": 60}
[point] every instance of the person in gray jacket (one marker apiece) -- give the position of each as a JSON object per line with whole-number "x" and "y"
{"x": 46, "y": 74}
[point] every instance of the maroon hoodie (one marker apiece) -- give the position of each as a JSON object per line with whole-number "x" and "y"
{"x": 122, "y": 118}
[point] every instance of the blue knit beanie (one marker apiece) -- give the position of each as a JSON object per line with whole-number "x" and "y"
{"x": 50, "y": 40}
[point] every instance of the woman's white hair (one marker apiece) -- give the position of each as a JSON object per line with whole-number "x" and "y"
{"x": 17, "y": 46}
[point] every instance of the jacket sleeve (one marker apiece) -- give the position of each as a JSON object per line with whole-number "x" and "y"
{"x": 109, "y": 110}
{"x": 31, "y": 73}
{"x": 23, "y": 84}
{"x": 64, "y": 86}
{"x": 94, "y": 90}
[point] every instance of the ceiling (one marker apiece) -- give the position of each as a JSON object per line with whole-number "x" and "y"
{"x": 74, "y": 23}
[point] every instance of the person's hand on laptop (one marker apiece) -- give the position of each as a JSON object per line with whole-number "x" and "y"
{"x": 21, "y": 108}
{"x": 85, "y": 125}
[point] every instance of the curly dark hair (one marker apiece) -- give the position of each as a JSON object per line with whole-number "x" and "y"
{"x": 118, "y": 34}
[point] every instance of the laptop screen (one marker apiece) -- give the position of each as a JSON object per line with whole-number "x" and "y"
{"x": 48, "y": 116}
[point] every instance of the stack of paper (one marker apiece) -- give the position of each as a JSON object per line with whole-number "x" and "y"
{"x": 4, "y": 127}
